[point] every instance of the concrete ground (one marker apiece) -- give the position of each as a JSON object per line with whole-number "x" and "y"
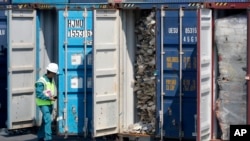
{"x": 32, "y": 137}
{"x": 27, "y": 135}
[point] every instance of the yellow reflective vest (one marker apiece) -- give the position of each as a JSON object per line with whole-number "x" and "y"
{"x": 48, "y": 86}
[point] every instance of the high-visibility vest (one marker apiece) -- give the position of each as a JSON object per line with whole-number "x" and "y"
{"x": 47, "y": 86}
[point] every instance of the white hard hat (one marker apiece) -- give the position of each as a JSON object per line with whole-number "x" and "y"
{"x": 53, "y": 67}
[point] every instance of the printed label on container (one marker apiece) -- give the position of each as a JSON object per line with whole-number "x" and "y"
{"x": 76, "y": 82}
{"x": 76, "y": 59}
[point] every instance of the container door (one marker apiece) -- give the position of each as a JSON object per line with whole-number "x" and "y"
{"x": 21, "y": 68}
{"x": 75, "y": 67}
{"x": 105, "y": 73}
{"x": 204, "y": 80}
{"x": 178, "y": 72}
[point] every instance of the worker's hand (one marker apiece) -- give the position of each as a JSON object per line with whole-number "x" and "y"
{"x": 52, "y": 98}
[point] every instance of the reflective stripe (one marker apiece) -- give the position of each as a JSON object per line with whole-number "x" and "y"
{"x": 47, "y": 86}
{"x": 41, "y": 102}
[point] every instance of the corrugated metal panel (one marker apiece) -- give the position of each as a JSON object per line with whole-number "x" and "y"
{"x": 106, "y": 72}
{"x": 21, "y": 68}
{"x": 3, "y": 70}
{"x": 75, "y": 81}
{"x": 87, "y": 1}
{"x": 204, "y": 62}
{"x": 178, "y": 79}
{"x": 5, "y": 1}
{"x": 172, "y": 1}
{"x": 40, "y": 1}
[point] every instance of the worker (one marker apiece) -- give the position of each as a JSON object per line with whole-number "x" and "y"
{"x": 45, "y": 97}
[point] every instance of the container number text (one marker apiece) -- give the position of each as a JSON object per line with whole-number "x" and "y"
{"x": 76, "y": 29}
{"x": 78, "y": 33}
{"x": 189, "y": 35}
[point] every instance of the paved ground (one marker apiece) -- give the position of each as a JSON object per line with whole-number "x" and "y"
{"x": 32, "y": 137}
{"x": 24, "y": 135}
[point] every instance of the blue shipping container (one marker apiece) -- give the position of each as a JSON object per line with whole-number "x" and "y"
{"x": 3, "y": 70}
{"x": 76, "y": 79}
{"x": 87, "y": 1}
{"x": 178, "y": 114}
{"x": 41, "y": 1}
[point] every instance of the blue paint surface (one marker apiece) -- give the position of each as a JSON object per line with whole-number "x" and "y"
{"x": 171, "y": 72}
{"x": 75, "y": 71}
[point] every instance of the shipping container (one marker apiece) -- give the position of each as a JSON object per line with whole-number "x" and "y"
{"x": 21, "y": 64}
{"x": 229, "y": 40}
{"x": 75, "y": 87}
{"x": 97, "y": 51}
{"x": 126, "y": 72}
{"x": 96, "y": 89}
{"x": 40, "y": 1}
{"x": 178, "y": 77}
{"x": 29, "y": 52}
{"x": 3, "y": 71}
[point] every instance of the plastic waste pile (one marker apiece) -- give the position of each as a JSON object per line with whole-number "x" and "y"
{"x": 231, "y": 42}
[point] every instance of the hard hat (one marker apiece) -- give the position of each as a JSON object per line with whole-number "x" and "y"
{"x": 53, "y": 67}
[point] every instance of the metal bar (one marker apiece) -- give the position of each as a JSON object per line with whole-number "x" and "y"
{"x": 85, "y": 14}
{"x": 181, "y": 14}
{"x": 198, "y": 77}
{"x": 22, "y": 91}
{"x": 22, "y": 69}
{"x": 66, "y": 74}
{"x": 9, "y": 63}
{"x": 214, "y": 125}
{"x": 162, "y": 55}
